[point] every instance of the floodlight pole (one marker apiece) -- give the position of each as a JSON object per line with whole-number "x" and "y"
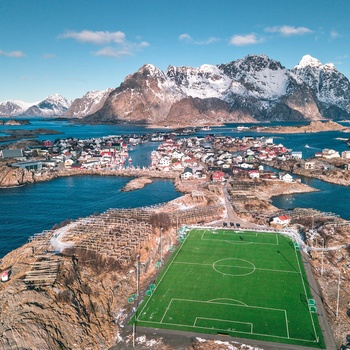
{"x": 337, "y": 312}
{"x": 322, "y": 256}
{"x": 161, "y": 248}
{"x": 137, "y": 274}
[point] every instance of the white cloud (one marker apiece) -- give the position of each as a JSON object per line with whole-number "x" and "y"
{"x": 185, "y": 37}
{"x": 188, "y": 39}
{"x": 288, "y": 30}
{"x": 117, "y": 47}
{"x": 16, "y": 54}
{"x": 98, "y": 37}
{"x": 143, "y": 44}
{"x": 334, "y": 34}
{"x": 248, "y": 39}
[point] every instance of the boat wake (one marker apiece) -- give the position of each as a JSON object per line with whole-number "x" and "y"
{"x": 307, "y": 146}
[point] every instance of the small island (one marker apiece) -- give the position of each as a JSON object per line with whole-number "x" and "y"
{"x": 136, "y": 184}
{"x": 18, "y": 134}
{"x": 14, "y": 122}
{"x": 312, "y": 127}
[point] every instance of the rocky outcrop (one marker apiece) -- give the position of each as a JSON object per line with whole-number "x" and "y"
{"x": 136, "y": 184}
{"x": 91, "y": 102}
{"x": 14, "y": 122}
{"x": 11, "y": 177}
{"x": 314, "y": 126}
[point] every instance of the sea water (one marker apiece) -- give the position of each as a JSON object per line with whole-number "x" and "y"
{"x": 36, "y": 207}
{"x": 32, "y": 208}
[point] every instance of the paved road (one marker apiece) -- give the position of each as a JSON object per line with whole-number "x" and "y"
{"x": 316, "y": 293}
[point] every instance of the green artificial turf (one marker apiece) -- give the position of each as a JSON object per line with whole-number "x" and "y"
{"x": 241, "y": 283}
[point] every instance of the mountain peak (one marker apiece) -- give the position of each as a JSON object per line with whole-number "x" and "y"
{"x": 308, "y": 61}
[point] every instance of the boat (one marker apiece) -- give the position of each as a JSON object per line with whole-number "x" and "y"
{"x": 206, "y": 128}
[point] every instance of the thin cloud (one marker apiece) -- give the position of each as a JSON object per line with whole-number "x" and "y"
{"x": 128, "y": 49}
{"x": 117, "y": 45}
{"x": 242, "y": 40}
{"x": 288, "y": 30}
{"x": 334, "y": 34}
{"x": 189, "y": 40}
{"x": 186, "y": 37}
{"x": 15, "y": 54}
{"x": 112, "y": 52}
{"x": 48, "y": 56}
{"x": 97, "y": 38}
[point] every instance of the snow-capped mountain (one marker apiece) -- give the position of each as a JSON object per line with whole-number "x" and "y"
{"x": 331, "y": 87}
{"x": 254, "y": 88}
{"x": 141, "y": 98}
{"x": 13, "y": 108}
{"x": 53, "y": 105}
{"x": 91, "y": 102}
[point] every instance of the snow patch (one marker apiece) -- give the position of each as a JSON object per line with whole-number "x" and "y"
{"x": 308, "y": 61}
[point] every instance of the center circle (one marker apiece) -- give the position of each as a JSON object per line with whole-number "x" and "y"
{"x": 234, "y": 267}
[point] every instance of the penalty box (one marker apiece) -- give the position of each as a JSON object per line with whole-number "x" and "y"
{"x": 226, "y": 315}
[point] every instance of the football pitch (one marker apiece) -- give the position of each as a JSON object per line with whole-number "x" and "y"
{"x": 242, "y": 284}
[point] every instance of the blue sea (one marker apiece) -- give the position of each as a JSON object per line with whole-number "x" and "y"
{"x": 33, "y": 208}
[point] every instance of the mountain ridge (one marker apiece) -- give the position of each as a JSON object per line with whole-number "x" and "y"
{"x": 253, "y": 88}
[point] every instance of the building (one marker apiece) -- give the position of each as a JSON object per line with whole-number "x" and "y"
{"x": 282, "y": 220}
{"x": 297, "y": 154}
{"x": 330, "y": 153}
{"x": 309, "y": 165}
{"x": 12, "y": 153}
{"x": 345, "y": 154}
{"x": 29, "y": 165}
{"x": 285, "y": 177}
{"x": 187, "y": 174}
{"x": 218, "y": 176}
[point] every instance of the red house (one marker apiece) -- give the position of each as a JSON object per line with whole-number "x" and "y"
{"x": 218, "y": 176}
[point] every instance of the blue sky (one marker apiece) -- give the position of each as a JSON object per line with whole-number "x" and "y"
{"x": 71, "y": 47}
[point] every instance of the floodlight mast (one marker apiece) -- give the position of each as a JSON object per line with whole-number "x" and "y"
{"x": 337, "y": 312}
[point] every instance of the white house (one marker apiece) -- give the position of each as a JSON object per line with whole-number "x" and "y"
{"x": 187, "y": 174}
{"x": 254, "y": 174}
{"x": 345, "y": 154}
{"x": 330, "y": 153}
{"x": 297, "y": 154}
{"x": 285, "y": 177}
{"x": 282, "y": 220}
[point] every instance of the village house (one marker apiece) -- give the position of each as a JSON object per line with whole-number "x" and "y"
{"x": 297, "y": 154}
{"x": 330, "y": 153}
{"x": 218, "y": 176}
{"x": 345, "y": 154}
{"x": 254, "y": 174}
{"x": 285, "y": 177}
{"x": 12, "y": 153}
{"x": 309, "y": 165}
{"x": 281, "y": 221}
{"x": 186, "y": 174}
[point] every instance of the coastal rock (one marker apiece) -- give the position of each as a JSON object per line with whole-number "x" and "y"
{"x": 314, "y": 126}
{"x": 136, "y": 184}
{"x": 14, "y": 122}
{"x": 11, "y": 177}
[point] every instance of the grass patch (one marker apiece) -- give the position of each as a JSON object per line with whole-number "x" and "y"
{"x": 242, "y": 283}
